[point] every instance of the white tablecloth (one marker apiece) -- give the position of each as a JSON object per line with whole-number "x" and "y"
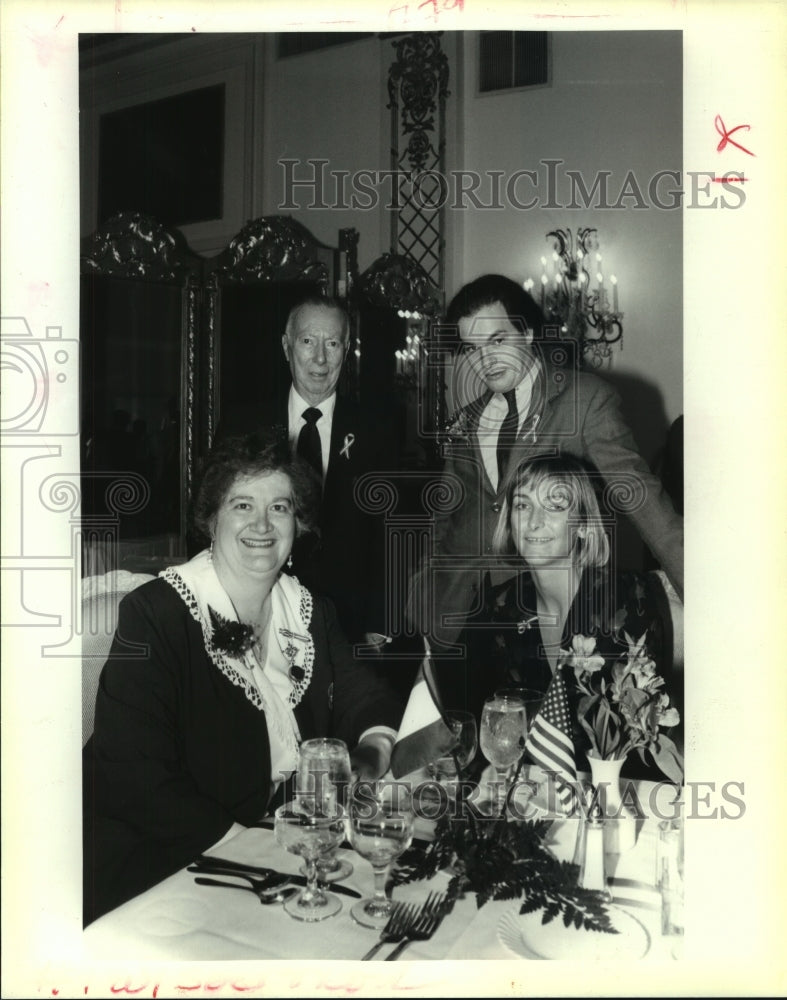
{"x": 179, "y": 919}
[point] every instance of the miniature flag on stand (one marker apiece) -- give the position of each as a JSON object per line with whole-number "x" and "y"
{"x": 549, "y": 742}
{"x": 423, "y": 735}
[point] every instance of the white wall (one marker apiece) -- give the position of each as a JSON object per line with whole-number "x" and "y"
{"x": 327, "y": 105}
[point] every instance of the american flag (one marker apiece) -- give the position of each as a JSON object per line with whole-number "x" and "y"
{"x": 549, "y": 742}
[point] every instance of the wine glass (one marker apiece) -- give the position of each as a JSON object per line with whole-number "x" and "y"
{"x": 465, "y": 730}
{"x": 302, "y": 827}
{"x": 502, "y": 737}
{"x": 532, "y": 700}
{"x": 324, "y": 771}
{"x": 381, "y": 828}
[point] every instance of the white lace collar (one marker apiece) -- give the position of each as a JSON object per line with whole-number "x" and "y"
{"x": 198, "y": 586}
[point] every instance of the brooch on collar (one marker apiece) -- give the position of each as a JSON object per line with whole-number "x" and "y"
{"x": 291, "y": 651}
{"x": 526, "y": 624}
{"x": 232, "y": 638}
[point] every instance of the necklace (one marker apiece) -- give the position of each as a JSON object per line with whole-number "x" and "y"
{"x": 260, "y": 643}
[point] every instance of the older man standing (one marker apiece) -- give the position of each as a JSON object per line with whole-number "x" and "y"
{"x": 329, "y": 431}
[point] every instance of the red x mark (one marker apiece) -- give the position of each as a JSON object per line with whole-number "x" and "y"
{"x": 721, "y": 128}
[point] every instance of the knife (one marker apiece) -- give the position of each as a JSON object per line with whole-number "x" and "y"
{"x": 210, "y": 859}
{"x": 231, "y": 868}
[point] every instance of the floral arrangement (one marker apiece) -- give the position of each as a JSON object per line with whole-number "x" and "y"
{"x": 624, "y": 705}
{"x": 230, "y": 637}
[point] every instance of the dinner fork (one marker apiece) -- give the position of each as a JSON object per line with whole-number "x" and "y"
{"x": 398, "y": 922}
{"x": 426, "y": 922}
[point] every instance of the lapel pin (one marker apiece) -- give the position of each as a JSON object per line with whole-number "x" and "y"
{"x": 349, "y": 441}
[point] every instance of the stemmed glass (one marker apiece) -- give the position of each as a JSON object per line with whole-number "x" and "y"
{"x": 465, "y": 730}
{"x": 301, "y": 827}
{"x": 324, "y": 771}
{"x": 502, "y": 736}
{"x": 381, "y": 828}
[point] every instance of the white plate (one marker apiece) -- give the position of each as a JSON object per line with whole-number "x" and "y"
{"x": 527, "y": 937}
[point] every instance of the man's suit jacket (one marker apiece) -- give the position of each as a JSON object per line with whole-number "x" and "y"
{"x": 574, "y": 412}
{"x": 348, "y": 563}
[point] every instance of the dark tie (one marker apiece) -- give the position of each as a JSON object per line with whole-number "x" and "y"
{"x": 507, "y": 435}
{"x": 309, "y": 447}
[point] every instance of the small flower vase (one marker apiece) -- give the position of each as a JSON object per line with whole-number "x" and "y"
{"x": 620, "y": 824}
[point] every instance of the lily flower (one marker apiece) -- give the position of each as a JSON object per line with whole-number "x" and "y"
{"x": 581, "y": 656}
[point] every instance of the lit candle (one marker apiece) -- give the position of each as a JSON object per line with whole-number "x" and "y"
{"x": 543, "y": 291}
{"x": 614, "y": 282}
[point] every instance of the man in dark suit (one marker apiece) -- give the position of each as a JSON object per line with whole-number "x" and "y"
{"x": 330, "y": 432}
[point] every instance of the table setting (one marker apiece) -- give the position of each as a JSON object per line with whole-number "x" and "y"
{"x": 468, "y": 857}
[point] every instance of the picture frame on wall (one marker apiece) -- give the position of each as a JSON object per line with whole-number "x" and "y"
{"x": 165, "y": 158}
{"x": 169, "y": 137}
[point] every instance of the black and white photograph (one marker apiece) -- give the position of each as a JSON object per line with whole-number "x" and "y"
{"x": 350, "y": 361}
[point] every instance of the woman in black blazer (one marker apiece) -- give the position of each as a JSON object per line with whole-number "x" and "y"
{"x": 236, "y": 663}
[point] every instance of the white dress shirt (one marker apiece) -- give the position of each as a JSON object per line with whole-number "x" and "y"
{"x": 492, "y": 418}
{"x": 295, "y": 423}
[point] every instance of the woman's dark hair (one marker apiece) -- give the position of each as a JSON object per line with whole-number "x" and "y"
{"x": 250, "y": 455}
{"x": 520, "y": 307}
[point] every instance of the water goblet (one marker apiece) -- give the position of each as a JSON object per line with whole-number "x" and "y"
{"x": 301, "y": 827}
{"x": 465, "y": 730}
{"x": 324, "y": 771}
{"x": 502, "y": 736}
{"x": 381, "y": 828}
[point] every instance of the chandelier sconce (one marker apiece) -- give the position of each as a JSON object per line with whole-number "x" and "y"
{"x": 395, "y": 281}
{"x": 408, "y": 360}
{"x": 574, "y": 294}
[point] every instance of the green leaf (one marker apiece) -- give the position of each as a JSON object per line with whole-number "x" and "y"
{"x": 666, "y": 755}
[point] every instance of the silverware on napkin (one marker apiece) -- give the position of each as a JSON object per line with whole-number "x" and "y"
{"x": 231, "y": 868}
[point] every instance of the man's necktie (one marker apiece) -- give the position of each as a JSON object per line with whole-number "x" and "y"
{"x": 507, "y": 435}
{"x": 309, "y": 447}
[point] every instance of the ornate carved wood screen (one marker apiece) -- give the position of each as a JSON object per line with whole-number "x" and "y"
{"x": 165, "y": 335}
{"x": 138, "y": 332}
